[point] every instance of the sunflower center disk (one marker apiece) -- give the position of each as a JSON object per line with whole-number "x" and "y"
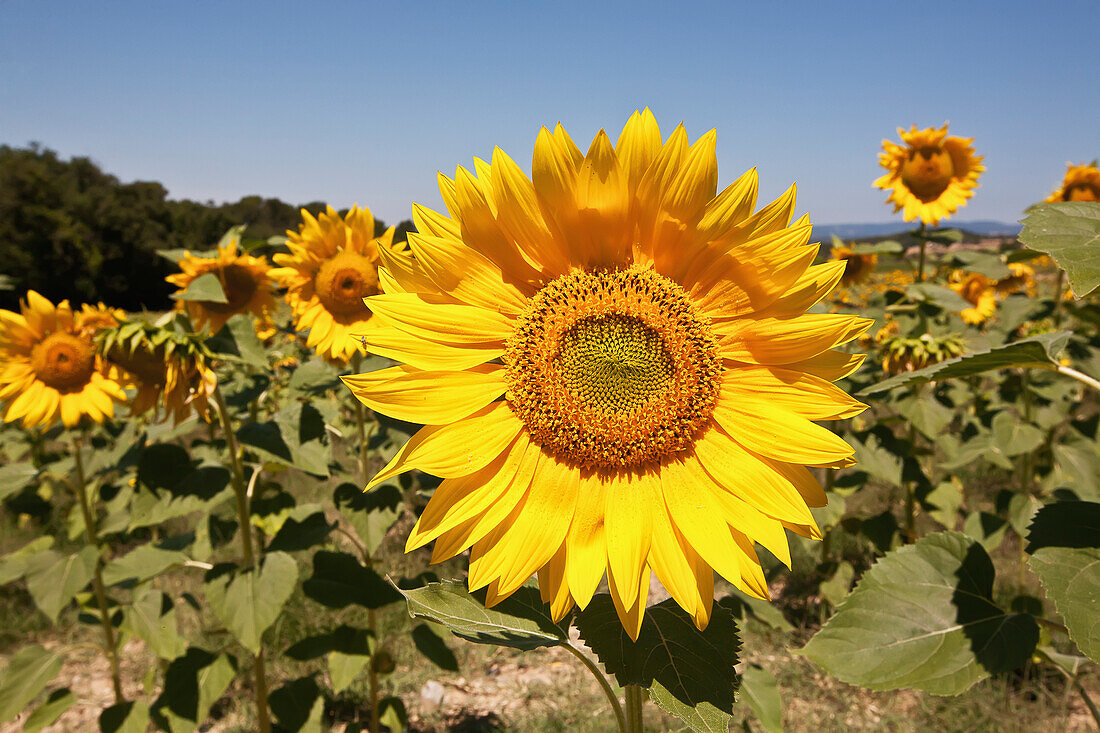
{"x": 63, "y": 361}
{"x": 612, "y": 368}
{"x": 927, "y": 172}
{"x": 239, "y": 285}
{"x": 343, "y": 282}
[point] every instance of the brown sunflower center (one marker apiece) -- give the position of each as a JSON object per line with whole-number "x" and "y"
{"x": 343, "y": 282}
{"x": 973, "y": 288}
{"x": 927, "y": 172}
{"x": 147, "y": 366}
{"x": 612, "y": 368}
{"x": 1081, "y": 192}
{"x": 63, "y": 361}
{"x": 854, "y": 267}
{"x": 239, "y": 284}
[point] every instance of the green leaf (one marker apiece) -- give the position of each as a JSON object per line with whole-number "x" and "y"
{"x": 940, "y": 236}
{"x": 314, "y": 377}
{"x": 152, "y": 618}
{"x": 281, "y": 439}
{"x": 938, "y": 296}
{"x": 192, "y": 683}
{"x": 1077, "y": 464}
{"x": 745, "y": 608}
{"x": 298, "y": 705}
{"x": 53, "y": 579}
{"x": 343, "y": 669}
{"x": 986, "y": 528}
{"x": 1065, "y": 524}
{"x": 140, "y": 564}
{"x": 28, "y": 672}
{"x": 923, "y": 617}
{"x": 689, "y": 673}
{"x": 370, "y": 513}
{"x": 760, "y": 691}
{"x": 297, "y": 535}
{"x": 249, "y": 601}
{"x": 394, "y": 716}
{"x": 885, "y": 247}
{"x": 1070, "y": 233}
{"x": 926, "y": 414}
{"x": 985, "y": 263}
{"x": 1071, "y": 577}
{"x": 205, "y": 288}
{"x": 48, "y": 712}
{"x": 14, "y": 477}
{"x": 835, "y": 589}
{"x": 1013, "y": 436}
{"x": 125, "y": 717}
{"x": 434, "y": 648}
{"x": 1035, "y": 351}
{"x": 237, "y": 338}
{"x": 945, "y": 500}
{"x": 14, "y": 564}
{"x": 871, "y": 456}
{"x": 339, "y": 580}
{"x": 522, "y": 621}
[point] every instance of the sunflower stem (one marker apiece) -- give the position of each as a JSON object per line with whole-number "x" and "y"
{"x": 910, "y": 496}
{"x": 1079, "y": 376}
{"x": 110, "y": 641}
{"x": 1058, "y": 297}
{"x": 608, "y": 692}
{"x": 244, "y": 527}
{"x": 923, "y": 243}
{"x": 635, "y": 697}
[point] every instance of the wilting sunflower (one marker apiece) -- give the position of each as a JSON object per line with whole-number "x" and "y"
{"x": 1081, "y": 183}
{"x": 244, "y": 280}
{"x": 616, "y": 371}
{"x": 50, "y": 369}
{"x": 167, "y": 368}
{"x": 979, "y": 291}
{"x": 908, "y": 353}
{"x": 332, "y": 266}
{"x": 857, "y": 268}
{"x": 930, "y": 175}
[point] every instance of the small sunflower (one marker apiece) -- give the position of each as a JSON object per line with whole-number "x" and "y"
{"x": 169, "y": 369}
{"x": 90, "y": 320}
{"x": 979, "y": 291}
{"x": 930, "y": 175}
{"x": 50, "y": 369}
{"x": 244, "y": 280}
{"x": 332, "y": 266}
{"x": 1022, "y": 278}
{"x": 616, "y": 371}
{"x": 1081, "y": 183}
{"x": 857, "y": 268}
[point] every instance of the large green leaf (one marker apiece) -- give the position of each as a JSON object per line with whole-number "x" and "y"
{"x": 938, "y": 295}
{"x": 1065, "y": 542}
{"x": 249, "y": 601}
{"x": 522, "y": 621}
{"x": 689, "y": 673}
{"x": 432, "y": 646}
{"x": 152, "y": 618}
{"x": 53, "y": 579}
{"x": 28, "y": 672}
{"x": 339, "y": 580}
{"x": 141, "y": 563}
{"x": 192, "y": 683}
{"x": 125, "y": 717}
{"x": 1035, "y": 351}
{"x": 206, "y": 288}
{"x": 14, "y": 476}
{"x": 48, "y": 712}
{"x": 923, "y": 617}
{"x": 298, "y": 705}
{"x": 760, "y": 692}
{"x": 1070, "y": 233}
{"x": 14, "y": 564}
{"x": 371, "y": 513}
{"x": 237, "y": 338}
{"x": 1014, "y": 436}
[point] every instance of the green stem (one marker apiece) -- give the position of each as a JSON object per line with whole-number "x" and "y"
{"x": 244, "y": 527}
{"x": 110, "y": 641}
{"x": 635, "y": 697}
{"x": 1082, "y": 378}
{"x": 910, "y": 497}
{"x": 1073, "y": 679}
{"x": 923, "y": 244}
{"x": 608, "y": 692}
{"x": 1059, "y": 305}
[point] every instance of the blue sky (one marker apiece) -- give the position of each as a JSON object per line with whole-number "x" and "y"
{"x": 364, "y": 102}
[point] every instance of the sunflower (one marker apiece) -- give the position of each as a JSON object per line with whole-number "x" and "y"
{"x": 244, "y": 280}
{"x": 167, "y": 368}
{"x": 50, "y": 368}
{"x": 857, "y": 268}
{"x": 1081, "y": 183}
{"x": 979, "y": 291}
{"x": 90, "y": 320}
{"x": 332, "y": 266}
{"x": 616, "y": 371}
{"x": 931, "y": 175}
{"x": 1022, "y": 278}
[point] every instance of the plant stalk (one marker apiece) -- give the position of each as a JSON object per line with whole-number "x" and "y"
{"x": 1059, "y": 304}
{"x": 910, "y": 497}
{"x": 923, "y": 244}
{"x": 1080, "y": 377}
{"x": 608, "y": 692}
{"x": 1073, "y": 679}
{"x": 110, "y": 641}
{"x": 244, "y": 527}
{"x": 635, "y": 697}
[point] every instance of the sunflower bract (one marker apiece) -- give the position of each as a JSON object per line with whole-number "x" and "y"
{"x": 615, "y": 370}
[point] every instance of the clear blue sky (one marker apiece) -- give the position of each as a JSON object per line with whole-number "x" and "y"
{"x": 364, "y": 102}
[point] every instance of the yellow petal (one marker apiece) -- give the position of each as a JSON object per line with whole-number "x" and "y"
{"x": 778, "y": 341}
{"x": 428, "y": 398}
{"x": 778, "y": 433}
{"x": 465, "y": 274}
{"x": 804, "y": 394}
{"x": 444, "y": 323}
{"x": 631, "y": 503}
{"x": 637, "y": 146}
{"x": 421, "y": 353}
{"x": 586, "y": 543}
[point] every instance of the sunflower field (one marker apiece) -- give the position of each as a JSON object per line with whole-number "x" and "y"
{"x": 606, "y": 419}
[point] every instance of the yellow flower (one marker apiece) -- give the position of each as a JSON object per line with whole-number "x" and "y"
{"x": 616, "y": 371}
{"x": 50, "y": 369}
{"x": 979, "y": 291}
{"x": 90, "y": 320}
{"x": 931, "y": 175}
{"x": 332, "y": 266}
{"x": 1022, "y": 278}
{"x": 244, "y": 280}
{"x": 857, "y": 267}
{"x": 1081, "y": 183}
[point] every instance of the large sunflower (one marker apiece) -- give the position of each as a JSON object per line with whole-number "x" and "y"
{"x": 49, "y": 367}
{"x": 615, "y": 369}
{"x": 979, "y": 291}
{"x": 930, "y": 175}
{"x": 332, "y": 266}
{"x": 244, "y": 280}
{"x": 1081, "y": 183}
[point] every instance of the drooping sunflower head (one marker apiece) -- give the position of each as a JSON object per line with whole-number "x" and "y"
{"x": 332, "y": 266}
{"x": 169, "y": 368}
{"x": 908, "y": 353}
{"x": 50, "y": 367}
{"x": 857, "y": 267}
{"x": 979, "y": 291}
{"x": 615, "y": 368}
{"x": 1081, "y": 183}
{"x": 244, "y": 280}
{"x": 930, "y": 175}
{"x": 1021, "y": 279}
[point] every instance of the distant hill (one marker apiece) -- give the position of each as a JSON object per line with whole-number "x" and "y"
{"x": 861, "y": 231}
